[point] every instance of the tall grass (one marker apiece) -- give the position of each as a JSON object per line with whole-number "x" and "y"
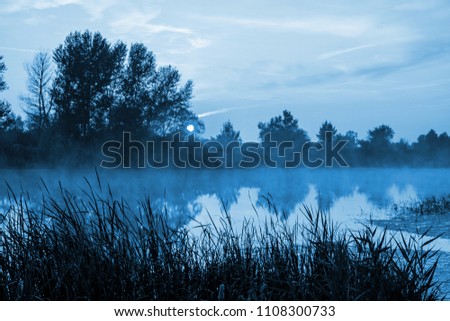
{"x": 431, "y": 205}
{"x": 99, "y": 248}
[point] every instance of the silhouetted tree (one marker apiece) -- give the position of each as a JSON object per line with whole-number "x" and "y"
{"x": 169, "y": 110}
{"x": 444, "y": 140}
{"x": 134, "y": 94}
{"x": 433, "y": 149}
{"x": 228, "y": 134}
{"x": 283, "y": 128}
{"x": 326, "y": 127}
{"x": 11, "y": 129}
{"x": 38, "y": 100}
{"x": 7, "y": 117}
{"x": 381, "y": 136}
{"x": 86, "y": 65}
{"x": 444, "y": 143}
{"x": 350, "y": 152}
{"x": 283, "y": 133}
{"x": 352, "y": 139}
{"x": 430, "y": 140}
{"x": 2, "y": 71}
{"x": 378, "y": 149}
{"x": 228, "y": 140}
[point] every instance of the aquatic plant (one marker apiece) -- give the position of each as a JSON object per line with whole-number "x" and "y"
{"x": 98, "y": 247}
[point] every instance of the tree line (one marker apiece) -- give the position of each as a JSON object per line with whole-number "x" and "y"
{"x": 95, "y": 91}
{"x": 91, "y": 90}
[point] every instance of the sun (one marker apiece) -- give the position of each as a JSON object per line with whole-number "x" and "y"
{"x": 190, "y": 128}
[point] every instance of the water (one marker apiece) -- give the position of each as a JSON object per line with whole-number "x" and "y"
{"x": 351, "y": 196}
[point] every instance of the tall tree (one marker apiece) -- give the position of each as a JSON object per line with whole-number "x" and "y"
{"x": 326, "y": 127}
{"x": 283, "y": 128}
{"x": 228, "y": 134}
{"x": 430, "y": 141}
{"x": 134, "y": 95}
{"x": 86, "y": 65}
{"x": 38, "y": 100}
{"x": 378, "y": 149}
{"x": 432, "y": 148}
{"x": 169, "y": 109}
{"x": 381, "y": 137}
{"x": 7, "y": 118}
{"x": 352, "y": 139}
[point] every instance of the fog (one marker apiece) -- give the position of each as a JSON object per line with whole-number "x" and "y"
{"x": 185, "y": 193}
{"x": 351, "y": 197}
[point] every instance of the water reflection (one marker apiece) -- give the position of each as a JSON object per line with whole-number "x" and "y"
{"x": 349, "y": 195}
{"x": 198, "y": 197}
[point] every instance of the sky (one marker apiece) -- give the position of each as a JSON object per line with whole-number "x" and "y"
{"x": 356, "y": 64}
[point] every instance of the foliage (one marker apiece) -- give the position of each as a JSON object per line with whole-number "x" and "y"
{"x": 431, "y": 205}
{"x": 7, "y": 117}
{"x": 85, "y": 68}
{"x": 3, "y": 85}
{"x": 98, "y": 90}
{"x": 169, "y": 111}
{"x": 283, "y": 128}
{"x": 133, "y": 96}
{"x": 228, "y": 134}
{"x": 326, "y": 127}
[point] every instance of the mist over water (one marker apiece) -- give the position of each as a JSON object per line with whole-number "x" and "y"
{"x": 351, "y": 196}
{"x": 345, "y": 193}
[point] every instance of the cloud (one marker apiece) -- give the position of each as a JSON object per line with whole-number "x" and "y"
{"x": 141, "y": 22}
{"x": 94, "y": 8}
{"x": 19, "y": 49}
{"x": 48, "y": 4}
{"x": 177, "y": 39}
{"x": 339, "y": 26}
{"x": 225, "y": 110}
{"x": 214, "y": 112}
{"x": 11, "y": 6}
{"x": 422, "y": 53}
{"x": 335, "y": 53}
{"x": 417, "y": 5}
{"x": 199, "y": 43}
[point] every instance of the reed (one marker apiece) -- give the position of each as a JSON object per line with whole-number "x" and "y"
{"x": 98, "y": 247}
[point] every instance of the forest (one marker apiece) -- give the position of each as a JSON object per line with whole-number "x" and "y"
{"x": 90, "y": 91}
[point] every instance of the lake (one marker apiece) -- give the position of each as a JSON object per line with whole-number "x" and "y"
{"x": 351, "y": 196}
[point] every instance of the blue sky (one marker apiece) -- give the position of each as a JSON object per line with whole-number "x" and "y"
{"x": 356, "y": 64}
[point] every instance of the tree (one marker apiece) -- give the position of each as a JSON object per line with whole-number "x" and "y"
{"x": 326, "y": 127}
{"x": 381, "y": 136}
{"x": 134, "y": 94}
{"x": 86, "y": 67}
{"x": 352, "y": 139}
{"x": 169, "y": 109}
{"x": 228, "y": 134}
{"x": 444, "y": 141}
{"x": 283, "y": 128}
{"x": 433, "y": 148}
{"x": 378, "y": 149}
{"x": 430, "y": 141}
{"x": 38, "y": 101}
{"x": 2, "y": 71}
{"x": 7, "y": 117}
